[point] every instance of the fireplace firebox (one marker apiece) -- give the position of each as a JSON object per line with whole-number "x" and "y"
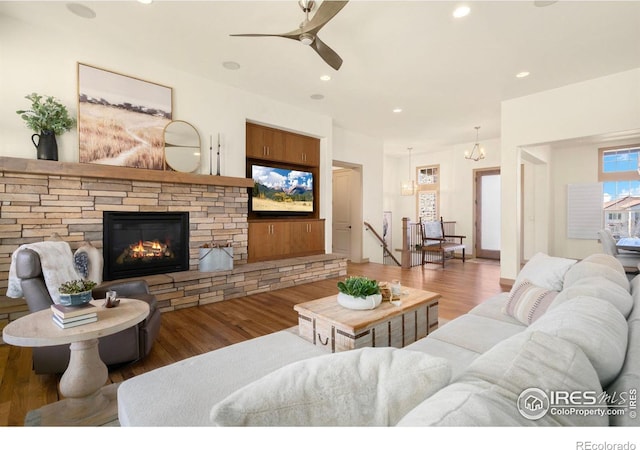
{"x": 144, "y": 243}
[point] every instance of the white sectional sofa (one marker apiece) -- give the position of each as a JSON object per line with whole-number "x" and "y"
{"x": 565, "y": 327}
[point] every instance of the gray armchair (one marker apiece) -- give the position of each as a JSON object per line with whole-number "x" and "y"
{"x": 124, "y": 347}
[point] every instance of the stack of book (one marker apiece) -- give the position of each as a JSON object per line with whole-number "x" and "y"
{"x": 73, "y": 316}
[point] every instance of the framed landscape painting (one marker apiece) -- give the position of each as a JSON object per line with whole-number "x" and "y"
{"x": 121, "y": 119}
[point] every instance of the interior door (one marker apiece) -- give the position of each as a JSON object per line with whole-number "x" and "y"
{"x": 342, "y": 212}
{"x": 487, "y": 214}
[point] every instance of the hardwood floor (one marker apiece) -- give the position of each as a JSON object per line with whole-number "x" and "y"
{"x": 196, "y": 330}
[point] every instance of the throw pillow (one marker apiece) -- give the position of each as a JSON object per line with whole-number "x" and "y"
{"x": 369, "y": 386}
{"x": 545, "y": 271}
{"x": 527, "y": 302}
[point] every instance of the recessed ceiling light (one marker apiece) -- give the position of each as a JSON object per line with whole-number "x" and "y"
{"x": 317, "y": 96}
{"x": 461, "y": 11}
{"x": 325, "y": 77}
{"x": 145, "y": 2}
{"x": 81, "y": 10}
{"x": 522, "y": 74}
{"x": 231, "y": 65}
{"x": 397, "y": 110}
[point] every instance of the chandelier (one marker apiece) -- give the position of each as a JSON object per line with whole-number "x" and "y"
{"x": 477, "y": 153}
{"x": 408, "y": 187}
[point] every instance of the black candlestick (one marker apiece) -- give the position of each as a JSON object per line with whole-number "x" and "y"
{"x": 218, "y": 165}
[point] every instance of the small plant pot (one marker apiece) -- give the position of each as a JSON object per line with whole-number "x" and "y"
{"x": 76, "y": 299}
{"x": 351, "y": 302}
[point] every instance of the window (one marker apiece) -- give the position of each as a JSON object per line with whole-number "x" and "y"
{"x": 619, "y": 172}
{"x": 428, "y": 197}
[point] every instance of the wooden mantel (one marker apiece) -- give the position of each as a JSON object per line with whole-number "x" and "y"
{"x": 45, "y": 167}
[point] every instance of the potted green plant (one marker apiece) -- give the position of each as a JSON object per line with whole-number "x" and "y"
{"x": 359, "y": 293}
{"x": 76, "y": 292}
{"x": 48, "y": 118}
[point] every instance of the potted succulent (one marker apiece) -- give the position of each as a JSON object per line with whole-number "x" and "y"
{"x": 359, "y": 293}
{"x": 48, "y": 118}
{"x": 76, "y": 292}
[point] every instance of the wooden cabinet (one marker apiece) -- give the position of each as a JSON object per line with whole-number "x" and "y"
{"x": 270, "y": 144}
{"x": 265, "y": 143}
{"x": 278, "y": 239}
{"x": 301, "y": 149}
{"x": 268, "y": 240}
{"x": 307, "y": 237}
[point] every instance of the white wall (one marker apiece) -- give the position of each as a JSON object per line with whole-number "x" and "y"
{"x": 596, "y": 108}
{"x": 456, "y": 185}
{"x": 210, "y": 106}
{"x": 355, "y": 148}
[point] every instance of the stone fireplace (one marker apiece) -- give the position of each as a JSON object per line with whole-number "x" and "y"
{"x": 144, "y": 243}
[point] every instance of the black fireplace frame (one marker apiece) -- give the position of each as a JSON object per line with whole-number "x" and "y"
{"x": 111, "y": 217}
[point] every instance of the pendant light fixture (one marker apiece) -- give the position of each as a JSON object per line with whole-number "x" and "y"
{"x": 477, "y": 153}
{"x": 408, "y": 187}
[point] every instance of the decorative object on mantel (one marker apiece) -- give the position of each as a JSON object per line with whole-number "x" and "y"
{"x": 215, "y": 257}
{"x": 359, "y": 293}
{"x": 477, "y": 153}
{"x": 76, "y": 292}
{"x": 181, "y": 146}
{"x": 211, "y": 156}
{"x": 47, "y": 118}
{"x": 121, "y": 119}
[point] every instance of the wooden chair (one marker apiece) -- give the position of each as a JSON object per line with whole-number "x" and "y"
{"x": 437, "y": 245}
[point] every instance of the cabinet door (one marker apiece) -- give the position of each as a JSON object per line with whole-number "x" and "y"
{"x": 307, "y": 238}
{"x": 268, "y": 240}
{"x": 302, "y": 149}
{"x": 265, "y": 143}
{"x": 274, "y": 144}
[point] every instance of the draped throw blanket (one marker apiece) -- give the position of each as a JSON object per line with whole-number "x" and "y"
{"x": 57, "y": 267}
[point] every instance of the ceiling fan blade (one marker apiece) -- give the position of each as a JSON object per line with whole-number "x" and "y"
{"x": 291, "y": 35}
{"x": 326, "y": 53}
{"x": 326, "y": 11}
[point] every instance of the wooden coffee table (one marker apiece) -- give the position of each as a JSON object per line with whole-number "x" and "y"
{"x": 325, "y": 323}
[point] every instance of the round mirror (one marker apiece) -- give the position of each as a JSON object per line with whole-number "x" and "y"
{"x": 181, "y": 146}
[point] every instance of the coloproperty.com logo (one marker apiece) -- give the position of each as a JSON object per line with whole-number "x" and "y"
{"x": 534, "y": 403}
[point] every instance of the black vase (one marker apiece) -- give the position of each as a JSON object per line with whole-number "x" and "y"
{"x": 47, "y": 147}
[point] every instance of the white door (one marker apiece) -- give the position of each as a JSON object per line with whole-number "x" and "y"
{"x": 342, "y": 212}
{"x": 488, "y": 214}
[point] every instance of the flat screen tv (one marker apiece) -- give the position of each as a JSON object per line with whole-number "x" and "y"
{"x": 281, "y": 191}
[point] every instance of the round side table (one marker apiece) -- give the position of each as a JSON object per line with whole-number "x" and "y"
{"x": 87, "y": 401}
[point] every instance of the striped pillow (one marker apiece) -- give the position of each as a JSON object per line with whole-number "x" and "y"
{"x": 527, "y": 302}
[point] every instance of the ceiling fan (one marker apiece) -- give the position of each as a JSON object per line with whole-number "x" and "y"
{"x": 307, "y": 33}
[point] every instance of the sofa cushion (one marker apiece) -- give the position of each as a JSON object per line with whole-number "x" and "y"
{"x": 488, "y": 392}
{"x": 599, "y": 287}
{"x": 475, "y": 333}
{"x": 545, "y": 271}
{"x": 628, "y": 380}
{"x": 368, "y": 386}
{"x": 597, "y": 266}
{"x": 527, "y": 302}
{"x": 182, "y": 393}
{"x": 459, "y": 358}
{"x": 493, "y": 309}
{"x": 594, "y": 325}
